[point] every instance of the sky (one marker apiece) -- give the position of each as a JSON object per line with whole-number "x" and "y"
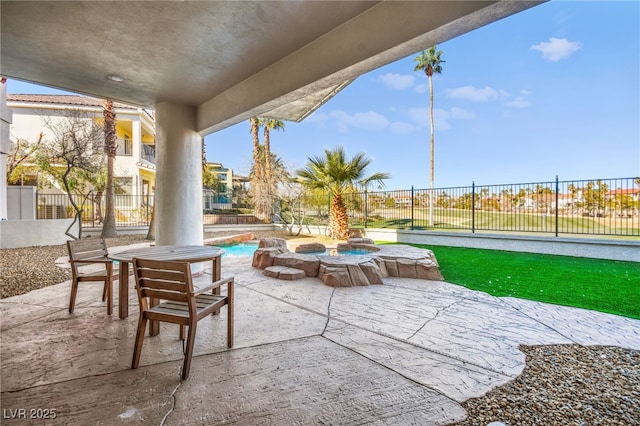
{"x": 551, "y": 91}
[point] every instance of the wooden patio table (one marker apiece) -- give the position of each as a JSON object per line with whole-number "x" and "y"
{"x": 191, "y": 254}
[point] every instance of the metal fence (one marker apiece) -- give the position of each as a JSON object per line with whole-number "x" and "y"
{"x": 132, "y": 210}
{"x": 595, "y": 207}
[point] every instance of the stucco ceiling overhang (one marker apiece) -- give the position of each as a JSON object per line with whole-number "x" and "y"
{"x": 229, "y": 59}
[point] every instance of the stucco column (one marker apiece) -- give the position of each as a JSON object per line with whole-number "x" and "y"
{"x": 178, "y": 177}
{"x": 5, "y": 123}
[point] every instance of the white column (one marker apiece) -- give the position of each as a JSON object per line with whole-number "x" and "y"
{"x": 5, "y": 124}
{"x": 178, "y": 176}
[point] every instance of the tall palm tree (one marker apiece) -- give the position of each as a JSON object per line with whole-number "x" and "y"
{"x": 269, "y": 124}
{"x": 110, "y": 147}
{"x": 335, "y": 173}
{"x": 257, "y": 177}
{"x": 429, "y": 61}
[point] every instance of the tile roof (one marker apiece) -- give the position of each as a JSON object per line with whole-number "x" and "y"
{"x": 65, "y": 100}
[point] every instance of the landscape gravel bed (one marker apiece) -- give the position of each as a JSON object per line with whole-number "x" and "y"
{"x": 560, "y": 385}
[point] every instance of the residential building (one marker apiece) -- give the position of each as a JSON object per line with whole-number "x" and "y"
{"x": 134, "y": 168}
{"x": 222, "y": 196}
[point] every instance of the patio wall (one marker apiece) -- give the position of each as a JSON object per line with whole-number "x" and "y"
{"x": 28, "y": 233}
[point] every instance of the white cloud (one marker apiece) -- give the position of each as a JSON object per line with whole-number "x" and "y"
{"x": 318, "y": 118}
{"x": 422, "y": 88}
{"x": 401, "y": 128}
{"x": 363, "y": 120}
{"x": 519, "y": 102}
{"x": 557, "y": 48}
{"x": 473, "y": 94}
{"x": 461, "y": 114}
{"x": 420, "y": 116}
{"x": 441, "y": 117}
{"x": 397, "y": 81}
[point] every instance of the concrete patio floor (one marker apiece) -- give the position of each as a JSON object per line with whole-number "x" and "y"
{"x": 406, "y": 352}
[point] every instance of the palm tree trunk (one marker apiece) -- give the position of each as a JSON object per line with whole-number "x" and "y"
{"x": 432, "y": 154}
{"x": 111, "y": 147}
{"x": 338, "y": 219}
{"x": 151, "y": 233}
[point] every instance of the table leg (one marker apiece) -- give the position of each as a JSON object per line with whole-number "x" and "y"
{"x": 123, "y": 290}
{"x": 216, "y": 273}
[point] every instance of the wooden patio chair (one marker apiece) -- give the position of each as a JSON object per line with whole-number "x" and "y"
{"x": 170, "y": 283}
{"x": 89, "y": 262}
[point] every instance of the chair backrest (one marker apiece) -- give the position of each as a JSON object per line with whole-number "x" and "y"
{"x": 86, "y": 251}
{"x": 165, "y": 280}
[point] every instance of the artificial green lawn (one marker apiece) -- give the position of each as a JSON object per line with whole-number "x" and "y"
{"x": 603, "y": 285}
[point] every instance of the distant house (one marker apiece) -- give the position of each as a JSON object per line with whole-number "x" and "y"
{"x": 134, "y": 168}
{"x": 222, "y": 196}
{"x": 135, "y": 164}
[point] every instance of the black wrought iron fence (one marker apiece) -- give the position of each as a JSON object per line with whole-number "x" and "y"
{"x": 132, "y": 210}
{"x": 597, "y": 206}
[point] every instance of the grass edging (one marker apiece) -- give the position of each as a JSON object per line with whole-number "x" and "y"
{"x": 609, "y": 286}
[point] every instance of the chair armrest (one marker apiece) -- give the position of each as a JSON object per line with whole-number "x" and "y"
{"x": 213, "y": 286}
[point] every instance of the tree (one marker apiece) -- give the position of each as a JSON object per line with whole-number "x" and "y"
{"x": 335, "y": 173}
{"x": 73, "y": 157}
{"x": 110, "y": 148}
{"x": 429, "y": 61}
{"x": 258, "y": 189}
{"x": 269, "y": 124}
{"x": 20, "y": 152}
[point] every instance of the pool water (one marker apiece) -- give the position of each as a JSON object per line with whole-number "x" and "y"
{"x": 247, "y": 249}
{"x": 241, "y": 249}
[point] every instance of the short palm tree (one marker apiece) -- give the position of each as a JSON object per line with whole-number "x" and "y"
{"x": 335, "y": 174}
{"x": 429, "y": 61}
{"x": 269, "y": 124}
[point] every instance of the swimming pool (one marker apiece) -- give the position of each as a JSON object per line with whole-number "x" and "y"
{"x": 241, "y": 249}
{"x": 247, "y": 249}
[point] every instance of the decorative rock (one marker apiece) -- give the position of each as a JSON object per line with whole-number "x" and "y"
{"x": 311, "y": 248}
{"x": 349, "y": 271}
{"x": 428, "y": 270}
{"x": 280, "y": 243}
{"x": 284, "y": 273}
{"x": 346, "y": 271}
{"x": 263, "y": 257}
{"x": 230, "y": 239}
{"x": 308, "y": 263}
{"x": 334, "y": 277}
{"x": 360, "y": 241}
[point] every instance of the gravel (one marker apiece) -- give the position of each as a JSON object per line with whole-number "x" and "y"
{"x": 560, "y": 385}
{"x": 565, "y": 385}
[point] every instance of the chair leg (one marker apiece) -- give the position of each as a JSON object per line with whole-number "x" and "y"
{"x": 109, "y": 290}
{"x": 191, "y": 337}
{"x": 137, "y": 349}
{"x": 104, "y": 292}
{"x": 182, "y": 332}
{"x": 230, "y": 303}
{"x": 74, "y": 290}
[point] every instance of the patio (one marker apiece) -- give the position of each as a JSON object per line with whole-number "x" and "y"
{"x": 406, "y": 352}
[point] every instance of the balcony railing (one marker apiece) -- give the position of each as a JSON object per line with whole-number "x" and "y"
{"x": 148, "y": 153}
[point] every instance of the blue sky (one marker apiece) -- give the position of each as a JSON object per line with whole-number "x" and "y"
{"x": 553, "y": 90}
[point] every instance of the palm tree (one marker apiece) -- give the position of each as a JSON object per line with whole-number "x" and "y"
{"x": 429, "y": 61}
{"x": 269, "y": 124}
{"x": 110, "y": 147}
{"x": 257, "y": 176}
{"x": 335, "y": 173}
